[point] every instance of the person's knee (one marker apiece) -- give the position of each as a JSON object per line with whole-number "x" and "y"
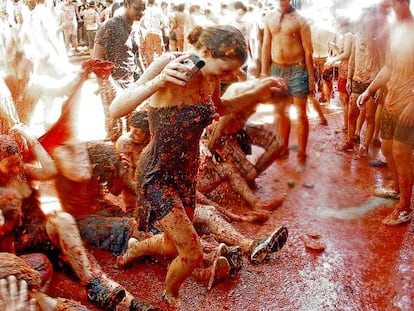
{"x": 62, "y": 220}
{"x": 209, "y": 211}
{"x": 193, "y": 256}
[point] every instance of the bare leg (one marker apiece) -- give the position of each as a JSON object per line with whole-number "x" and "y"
{"x": 344, "y": 98}
{"x": 179, "y": 239}
{"x": 360, "y": 122}
{"x": 378, "y": 115}
{"x": 302, "y": 129}
{"x": 352, "y": 118}
{"x": 284, "y": 123}
{"x": 224, "y": 231}
{"x": 402, "y": 159}
{"x": 251, "y": 216}
{"x": 370, "y": 109}
{"x": 64, "y": 233}
{"x": 240, "y": 186}
{"x": 402, "y": 163}
{"x": 387, "y": 151}
{"x": 327, "y": 90}
{"x": 317, "y": 106}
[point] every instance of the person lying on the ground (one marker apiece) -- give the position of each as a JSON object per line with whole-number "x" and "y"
{"x": 230, "y": 138}
{"x": 24, "y": 281}
{"x": 207, "y": 213}
{"x": 28, "y": 229}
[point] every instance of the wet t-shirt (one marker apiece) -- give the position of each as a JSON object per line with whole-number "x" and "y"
{"x": 122, "y": 48}
{"x": 400, "y": 60}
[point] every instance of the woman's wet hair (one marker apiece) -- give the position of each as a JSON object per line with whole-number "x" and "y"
{"x": 223, "y": 41}
{"x": 139, "y": 119}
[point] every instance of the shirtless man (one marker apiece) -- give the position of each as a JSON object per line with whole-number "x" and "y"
{"x": 397, "y": 129}
{"x": 287, "y": 52}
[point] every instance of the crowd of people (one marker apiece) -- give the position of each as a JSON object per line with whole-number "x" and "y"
{"x": 178, "y": 89}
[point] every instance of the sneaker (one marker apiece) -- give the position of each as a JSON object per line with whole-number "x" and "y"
{"x": 139, "y": 306}
{"x": 271, "y": 244}
{"x": 102, "y": 296}
{"x": 387, "y": 193}
{"x": 234, "y": 256}
{"x": 397, "y": 218}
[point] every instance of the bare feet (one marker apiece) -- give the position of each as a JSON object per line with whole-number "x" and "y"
{"x": 272, "y": 204}
{"x": 398, "y": 217}
{"x": 123, "y": 260}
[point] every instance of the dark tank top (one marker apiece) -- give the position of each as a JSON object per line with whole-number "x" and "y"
{"x": 170, "y": 161}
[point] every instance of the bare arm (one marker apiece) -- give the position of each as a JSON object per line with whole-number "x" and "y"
{"x": 262, "y": 91}
{"x": 266, "y": 56}
{"x": 380, "y": 81}
{"x": 99, "y": 51}
{"x": 351, "y": 62}
{"x": 308, "y": 50}
{"x": 165, "y": 69}
{"x": 47, "y": 169}
{"x": 47, "y": 86}
{"x": 217, "y": 130}
{"x": 346, "y": 52}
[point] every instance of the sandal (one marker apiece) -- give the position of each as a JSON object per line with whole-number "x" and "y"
{"x": 387, "y": 193}
{"x": 271, "y": 244}
{"x": 397, "y": 218}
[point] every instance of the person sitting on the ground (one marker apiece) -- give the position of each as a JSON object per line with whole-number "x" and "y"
{"x": 87, "y": 173}
{"x": 31, "y": 230}
{"x": 230, "y": 138}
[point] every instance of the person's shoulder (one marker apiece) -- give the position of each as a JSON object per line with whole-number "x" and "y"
{"x": 122, "y": 140}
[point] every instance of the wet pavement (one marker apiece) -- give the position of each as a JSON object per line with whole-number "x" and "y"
{"x": 364, "y": 265}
